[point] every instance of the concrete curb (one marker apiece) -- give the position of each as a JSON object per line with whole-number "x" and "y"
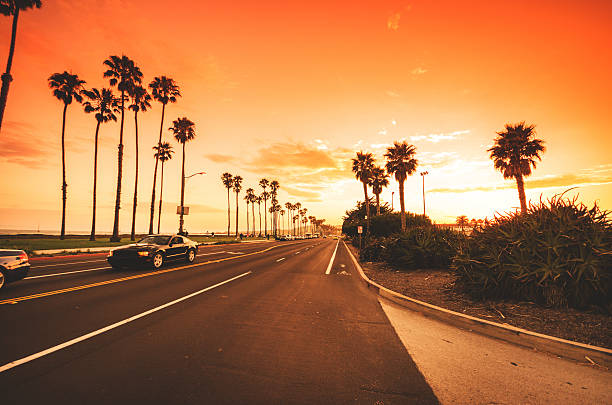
{"x": 559, "y": 347}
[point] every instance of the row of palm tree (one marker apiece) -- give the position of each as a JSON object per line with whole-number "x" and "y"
{"x": 400, "y": 163}
{"x": 514, "y": 153}
{"x": 126, "y": 76}
{"x": 234, "y": 183}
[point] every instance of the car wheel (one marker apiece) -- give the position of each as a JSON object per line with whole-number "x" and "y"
{"x": 158, "y": 260}
{"x": 1, "y": 279}
{"x": 191, "y": 255}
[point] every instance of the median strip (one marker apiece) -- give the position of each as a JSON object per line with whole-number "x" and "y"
{"x": 56, "y": 348}
{"x": 118, "y": 280}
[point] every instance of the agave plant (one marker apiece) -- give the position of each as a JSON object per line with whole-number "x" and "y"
{"x": 558, "y": 253}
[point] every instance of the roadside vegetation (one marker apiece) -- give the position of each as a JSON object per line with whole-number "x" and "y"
{"x": 555, "y": 253}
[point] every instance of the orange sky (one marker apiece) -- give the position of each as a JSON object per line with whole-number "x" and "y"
{"x": 290, "y": 90}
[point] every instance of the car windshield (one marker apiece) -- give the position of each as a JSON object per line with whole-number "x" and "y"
{"x": 157, "y": 240}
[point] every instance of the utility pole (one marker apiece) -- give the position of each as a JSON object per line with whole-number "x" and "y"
{"x": 423, "y": 174}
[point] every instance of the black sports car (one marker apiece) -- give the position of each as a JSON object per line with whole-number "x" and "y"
{"x": 154, "y": 250}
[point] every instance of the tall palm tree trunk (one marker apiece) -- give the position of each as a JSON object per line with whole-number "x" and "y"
{"x": 133, "y": 233}
{"x": 520, "y": 185}
{"x": 402, "y": 207}
{"x": 253, "y": 215}
{"x": 367, "y": 203}
{"x": 161, "y": 192}
{"x": 236, "y": 214}
{"x": 6, "y": 76}
{"x": 92, "y": 235}
{"x": 247, "y": 218}
{"x": 182, "y": 193}
{"x": 259, "y": 205}
{"x": 265, "y": 218}
{"x": 378, "y": 204}
{"x": 64, "y": 185}
{"x": 161, "y": 128}
{"x": 115, "y": 237}
{"x": 228, "y": 211}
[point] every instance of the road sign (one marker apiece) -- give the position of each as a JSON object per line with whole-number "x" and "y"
{"x": 185, "y": 210}
{"x": 360, "y": 229}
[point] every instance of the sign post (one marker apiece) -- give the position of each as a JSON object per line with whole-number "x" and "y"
{"x": 360, "y": 231}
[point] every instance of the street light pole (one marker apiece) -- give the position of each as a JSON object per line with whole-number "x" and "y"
{"x": 181, "y": 221}
{"x": 423, "y": 174}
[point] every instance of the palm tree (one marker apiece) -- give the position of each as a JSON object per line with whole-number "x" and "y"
{"x": 228, "y": 182}
{"x": 237, "y": 187}
{"x": 105, "y": 105}
{"x": 184, "y": 131}
{"x": 248, "y": 197}
{"x": 289, "y": 207}
{"x": 259, "y": 200}
{"x": 66, "y": 87}
{"x": 264, "y": 183}
{"x": 141, "y": 100}
{"x": 274, "y": 186}
{"x": 362, "y": 167}
{"x": 282, "y": 212}
{"x": 12, "y": 7}
{"x": 462, "y": 221}
{"x": 296, "y": 207}
{"x": 123, "y": 73}
{"x": 165, "y": 90}
{"x": 295, "y": 218}
{"x": 163, "y": 153}
{"x": 253, "y": 200}
{"x": 514, "y": 153}
{"x": 378, "y": 180}
{"x": 401, "y": 163}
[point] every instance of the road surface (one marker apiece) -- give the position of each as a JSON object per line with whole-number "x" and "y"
{"x": 257, "y": 323}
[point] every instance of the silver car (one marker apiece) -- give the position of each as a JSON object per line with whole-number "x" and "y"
{"x": 14, "y": 265}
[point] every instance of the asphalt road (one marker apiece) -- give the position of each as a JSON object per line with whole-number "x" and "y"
{"x": 247, "y": 323}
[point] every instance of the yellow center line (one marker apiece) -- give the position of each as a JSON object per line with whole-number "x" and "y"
{"x": 118, "y": 280}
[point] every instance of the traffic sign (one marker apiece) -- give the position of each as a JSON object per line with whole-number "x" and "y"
{"x": 185, "y": 210}
{"x": 360, "y": 229}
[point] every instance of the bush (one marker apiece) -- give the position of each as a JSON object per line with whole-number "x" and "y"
{"x": 418, "y": 247}
{"x": 384, "y": 224}
{"x": 558, "y": 253}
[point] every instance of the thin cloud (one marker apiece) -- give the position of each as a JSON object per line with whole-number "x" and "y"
{"x": 393, "y": 21}
{"x": 569, "y": 180}
{"x": 418, "y": 71}
{"x": 435, "y": 138}
{"x": 20, "y": 147}
{"x": 219, "y": 158}
{"x": 392, "y": 93}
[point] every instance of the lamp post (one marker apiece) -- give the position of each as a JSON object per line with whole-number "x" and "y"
{"x": 423, "y": 174}
{"x": 182, "y": 207}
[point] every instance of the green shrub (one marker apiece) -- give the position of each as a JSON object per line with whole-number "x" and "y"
{"x": 558, "y": 253}
{"x": 418, "y": 247}
{"x": 384, "y": 224}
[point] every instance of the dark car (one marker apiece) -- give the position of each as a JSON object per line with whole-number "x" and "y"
{"x": 14, "y": 265}
{"x": 154, "y": 250}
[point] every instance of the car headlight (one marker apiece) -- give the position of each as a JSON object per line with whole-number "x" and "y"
{"x": 145, "y": 253}
{"x": 110, "y": 253}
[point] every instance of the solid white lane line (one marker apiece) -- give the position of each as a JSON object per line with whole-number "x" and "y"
{"x": 53, "y": 349}
{"x": 67, "y": 272}
{"x": 66, "y": 264}
{"x": 332, "y": 259}
{"x": 281, "y": 259}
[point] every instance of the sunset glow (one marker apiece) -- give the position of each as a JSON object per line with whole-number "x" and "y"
{"x": 291, "y": 90}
